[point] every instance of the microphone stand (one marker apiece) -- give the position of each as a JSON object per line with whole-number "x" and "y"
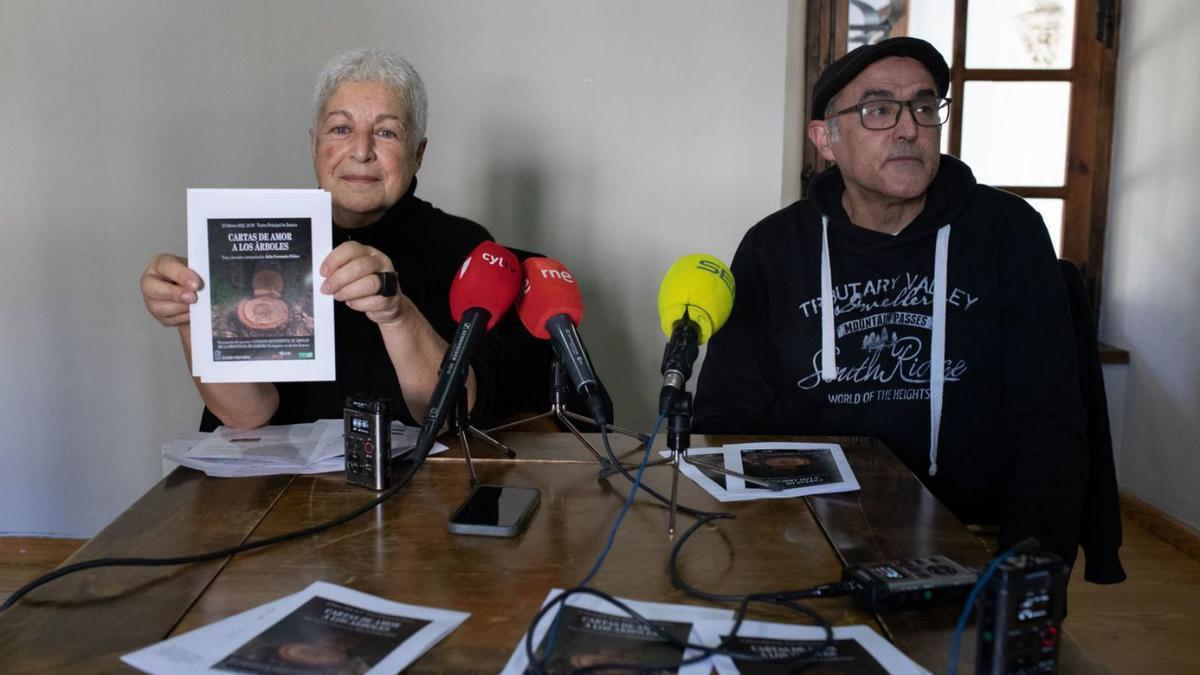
{"x": 679, "y": 439}
{"x": 461, "y": 424}
{"x": 560, "y": 387}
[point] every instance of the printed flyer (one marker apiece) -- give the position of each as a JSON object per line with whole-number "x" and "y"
{"x": 855, "y": 650}
{"x": 324, "y": 636}
{"x": 259, "y": 316}
{"x": 324, "y": 629}
{"x": 773, "y": 470}
{"x": 594, "y": 633}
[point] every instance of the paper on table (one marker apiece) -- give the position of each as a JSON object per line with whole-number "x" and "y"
{"x": 595, "y": 631}
{"x": 317, "y": 447}
{"x": 259, "y": 316}
{"x": 802, "y": 468}
{"x": 198, "y": 651}
{"x": 856, "y": 649}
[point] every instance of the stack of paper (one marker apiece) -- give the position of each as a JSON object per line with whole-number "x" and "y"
{"x": 294, "y": 448}
{"x": 324, "y": 628}
{"x": 771, "y": 470}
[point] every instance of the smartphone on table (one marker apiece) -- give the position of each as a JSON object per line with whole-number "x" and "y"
{"x": 495, "y": 511}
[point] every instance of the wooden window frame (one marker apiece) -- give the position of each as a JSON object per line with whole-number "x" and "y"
{"x": 1090, "y": 129}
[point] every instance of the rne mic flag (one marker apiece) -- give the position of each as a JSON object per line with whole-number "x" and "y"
{"x": 551, "y": 307}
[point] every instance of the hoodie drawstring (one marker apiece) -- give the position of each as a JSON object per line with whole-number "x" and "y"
{"x": 937, "y": 356}
{"x": 828, "y": 347}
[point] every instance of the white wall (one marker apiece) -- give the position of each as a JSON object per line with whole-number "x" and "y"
{"x": 1151, "y": 270}
{"x": 614, "y": 135}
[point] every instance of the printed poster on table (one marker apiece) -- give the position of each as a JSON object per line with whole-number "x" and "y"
{"x": 594, "y": 633}
{"x": 771, "y": 470}
{"x": 797, "y": 469}
{"x": 854, "y": 650}
{"x": 324, "y": 629}
{"x": 324, "y": 636}
{"x": 259, "y": 316}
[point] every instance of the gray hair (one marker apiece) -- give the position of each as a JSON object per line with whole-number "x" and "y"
{"x": 371, "y": 64}
{"x": 831, "y": 123}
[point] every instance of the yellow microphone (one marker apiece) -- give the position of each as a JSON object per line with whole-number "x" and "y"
{"x": 694, "y": 301}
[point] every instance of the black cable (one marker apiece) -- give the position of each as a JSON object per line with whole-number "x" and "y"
{"x": 782, "y": 598}
{"x": 800, "y": 655}
{"x": 822, "y": 591}
{"x": 539, "y": 666}
{"x": 211, "y": 555}
{"x": 637, "y": 483}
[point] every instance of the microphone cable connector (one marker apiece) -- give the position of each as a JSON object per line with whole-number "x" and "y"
{"x": 832, "y": 590}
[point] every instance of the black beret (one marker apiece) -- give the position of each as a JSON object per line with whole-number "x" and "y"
{"x": 839, "y": 73}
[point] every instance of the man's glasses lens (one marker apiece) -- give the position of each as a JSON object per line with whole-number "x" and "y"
{"x": 885, "y": 114}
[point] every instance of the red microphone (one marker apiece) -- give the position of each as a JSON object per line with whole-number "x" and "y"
{"x": 489, "y": 280}
{"x": 551, "y": 307}
{"x": 485, "y": 287}
{"x": 549, "y": 290}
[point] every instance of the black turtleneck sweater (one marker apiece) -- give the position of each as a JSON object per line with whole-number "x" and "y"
{"x": 1011, "y": 449}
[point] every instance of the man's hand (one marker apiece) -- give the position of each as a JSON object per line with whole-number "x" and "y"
{"x": 351, "y": 274}
{"x": 169, "y": 288}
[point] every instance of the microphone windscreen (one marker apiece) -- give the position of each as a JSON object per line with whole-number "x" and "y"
{"x": 488, "y": 279}
{"x": 701, "y": 285}
{"x": 549, "y": 290}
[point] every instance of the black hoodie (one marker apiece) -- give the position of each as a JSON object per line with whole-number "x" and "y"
{"x": 1010, "y": 448}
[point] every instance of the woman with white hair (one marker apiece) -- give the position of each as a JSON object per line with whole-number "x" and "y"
{"x": 390, "y": 271}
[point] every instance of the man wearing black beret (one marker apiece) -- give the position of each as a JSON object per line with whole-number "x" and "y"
{"x": 903, "y": 300}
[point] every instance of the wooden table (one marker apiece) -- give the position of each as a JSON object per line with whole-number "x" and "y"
{"x": 402, "y": 551}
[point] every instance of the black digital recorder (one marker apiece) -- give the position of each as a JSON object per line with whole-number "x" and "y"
{"x": 368, "y": 435}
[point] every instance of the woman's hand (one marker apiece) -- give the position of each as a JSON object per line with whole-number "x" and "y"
{"x": 169, "y": 288}
{"x": 351, "y": 274}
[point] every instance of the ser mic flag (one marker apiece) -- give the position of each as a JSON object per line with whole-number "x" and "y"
{"x": 485, "y": 287}
{"x": 694, "y": 301}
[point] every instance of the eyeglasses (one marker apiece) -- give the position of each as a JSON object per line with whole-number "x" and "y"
{"x": 879, "y": 114}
